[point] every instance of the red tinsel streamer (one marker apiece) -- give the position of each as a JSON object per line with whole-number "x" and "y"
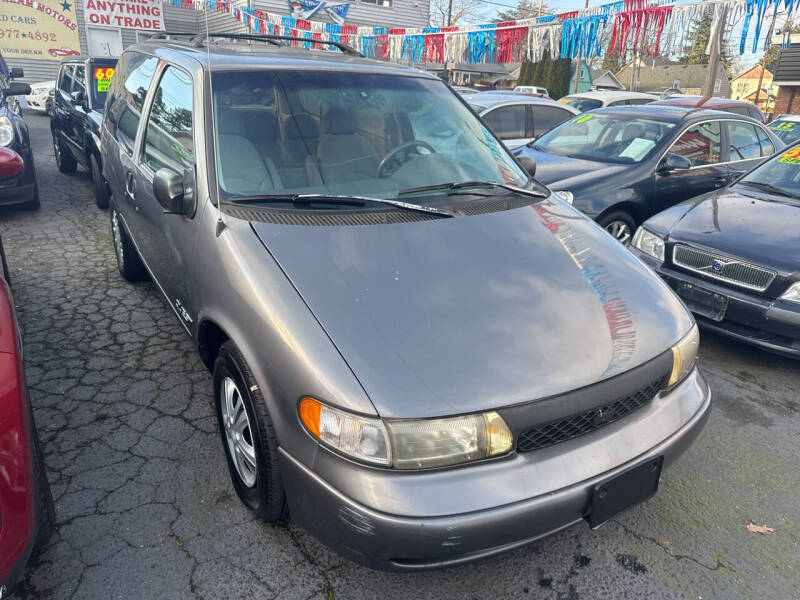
{"x": 382, "y": 46}
{"x": 637, "y": 20}
{"x": 294, "y": 33}
{"x": 349, "y": 29}
{"x": 434, "y": 48}
{"x": 397, "y": 31}
{"x": 567, "y": 15}
{"x": 303, "y": 24}
{"x": 507, "y": 40}
{"x": 453, "y": 28}
{"x": 507, "y": 24}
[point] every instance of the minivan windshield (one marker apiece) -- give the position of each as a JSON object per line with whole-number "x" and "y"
{"x": 605, "y": 137}
{"x": 345, "y": 133}
{"x": 779, "y": 176}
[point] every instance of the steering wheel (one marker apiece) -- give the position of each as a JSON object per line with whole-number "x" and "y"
{"x": 383, "y": 170}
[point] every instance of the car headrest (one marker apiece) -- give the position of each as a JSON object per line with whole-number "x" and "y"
{"x": 301, "y": 126}
{"x": 337, "y": 121}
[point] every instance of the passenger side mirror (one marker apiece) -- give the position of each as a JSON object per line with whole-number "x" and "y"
{"x": 16, "y": 88}
{"x": 673, "y": 162}
{"x": 174, "y": 196}
{"x": 528, "y": 164}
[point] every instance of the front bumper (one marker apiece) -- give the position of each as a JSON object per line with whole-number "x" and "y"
{"x": 381, "y": 529}
{"x": 771, "y": 325}
{"x": 36, "y": 102}
{"x": 16, "y": 194}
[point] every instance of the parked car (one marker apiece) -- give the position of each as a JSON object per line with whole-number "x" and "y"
{"x": 19, "y": 188}
{"x": 737, "y": 107}
{"x": 7, "y": 75}
{"x": 80, "y": 98}
{"x": 463, "y": 90}
{"x": 26, "y": 504}
{"x": 598, "y": 99}
{"x": 734, "y": 258}
{"x": 787, "y": 128}
{"x": 623, "y": 165}
{"x": 40, "y": 97}
{"x": 385, "y": 364}
{"x": 518, "y": 119}
{"x": 532, "y": 89}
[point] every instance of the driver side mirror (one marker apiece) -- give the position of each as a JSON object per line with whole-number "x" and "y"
{"x": 78, "y": 97}
{"x": 16, "y": 73}
{"x": 528, "y": 164}
{"x": 673, "y": 162}
{"x": 174, "y": 196}
{"x": 16, "y": 88}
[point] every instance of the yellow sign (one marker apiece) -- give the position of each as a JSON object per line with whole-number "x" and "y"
{"x": 103, "y": 75}
{"x": 39, "y": 29}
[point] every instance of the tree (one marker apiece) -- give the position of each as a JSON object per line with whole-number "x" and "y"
{"x": 700, "y": 32}
{"x": 526, "y": 9}
{"x": 461, "y": 10}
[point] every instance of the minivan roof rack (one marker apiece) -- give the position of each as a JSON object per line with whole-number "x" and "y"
{"x": 197, "y": 39}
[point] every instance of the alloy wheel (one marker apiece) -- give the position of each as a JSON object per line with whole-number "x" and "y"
{"x": 238, "y": 433}
{"x": 620, "y": 231}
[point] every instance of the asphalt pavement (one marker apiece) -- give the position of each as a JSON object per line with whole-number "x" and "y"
{"x": 146, "y": 510}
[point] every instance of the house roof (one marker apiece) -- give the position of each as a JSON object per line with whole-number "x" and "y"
{"x": 753, "y": 72}
{"x": 606, "y": 79}
{"x": 660, "y": 77}
{"x": 788, "y": 69}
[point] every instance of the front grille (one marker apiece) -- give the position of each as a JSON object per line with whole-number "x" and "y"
{"x": 573, "y": 426}
{"x": 723, "y": 268}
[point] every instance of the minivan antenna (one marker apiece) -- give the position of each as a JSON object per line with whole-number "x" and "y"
{"x": 220, "y": 222}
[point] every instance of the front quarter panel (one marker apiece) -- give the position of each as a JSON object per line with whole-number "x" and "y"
{"x": 241, "y": 288}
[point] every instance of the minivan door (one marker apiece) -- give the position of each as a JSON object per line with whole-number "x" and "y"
{"x": 168, "y": 142}
{"x": 701, "y": 144}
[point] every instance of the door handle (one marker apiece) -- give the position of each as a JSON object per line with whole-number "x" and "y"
{"x": 130, "y": 186}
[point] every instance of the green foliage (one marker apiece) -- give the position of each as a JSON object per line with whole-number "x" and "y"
{"x": 547, "y": 73}
{"x": 700, "y": 32}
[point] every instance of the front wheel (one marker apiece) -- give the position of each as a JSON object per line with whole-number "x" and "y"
{"x": 248, "y": 436}
{"x": 100, "y": 187}
{"x": 620, "y": 225}
{"x": 128, "y": 261}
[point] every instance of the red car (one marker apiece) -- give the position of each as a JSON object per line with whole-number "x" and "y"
{"x": 61, "y": 52}
{"x": 737, "y": 107}
{"x": 26, "y": 505}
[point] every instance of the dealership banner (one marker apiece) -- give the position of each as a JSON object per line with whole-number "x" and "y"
{"x": 337, "y": 11}
{"x": 40, "y": 29}
{"x": 304, "y": 9}
{"x": 144, "y": 15}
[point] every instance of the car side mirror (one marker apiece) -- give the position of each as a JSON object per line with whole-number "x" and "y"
{"x": 17, "y": 88}
{"x": 528, "y": 164}
{"x": 78, "y": 97}
{"x": 673, "y": 162}
{"x": 173, "y": 192}
{"x": 16, "y": 73}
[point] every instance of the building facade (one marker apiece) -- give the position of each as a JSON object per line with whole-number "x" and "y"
{"x": 656, "y": 75}
{"x": 787, "y": 79}
{"x": 744, "y": 87}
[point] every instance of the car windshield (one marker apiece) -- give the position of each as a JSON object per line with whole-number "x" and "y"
{"x": 788, "y": 131}
{"x": 100, "y": 78}
{"x": 340, "y": 133}
{"x": 582, "y": 104}
{"x": 605, "y": 137}
{"x": 780, "y": 175}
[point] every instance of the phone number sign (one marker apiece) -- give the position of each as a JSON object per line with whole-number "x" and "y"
{"x": 44, "y": 29}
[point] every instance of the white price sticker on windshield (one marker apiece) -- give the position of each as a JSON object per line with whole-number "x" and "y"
{"x": 637, "y": 149}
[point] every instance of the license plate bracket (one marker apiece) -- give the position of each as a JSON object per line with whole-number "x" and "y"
{"x": 702, "y": 301}
{"x": 631, "y": 487}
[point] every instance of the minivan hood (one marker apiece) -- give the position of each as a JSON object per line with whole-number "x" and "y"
{"x": 459, "y": 315}
{"x": 747, "y": 225}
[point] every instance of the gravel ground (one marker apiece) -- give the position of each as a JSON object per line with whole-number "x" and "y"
{"x": 146, "y": 509}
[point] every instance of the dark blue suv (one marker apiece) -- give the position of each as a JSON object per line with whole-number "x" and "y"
{"x": 80, "y": 98}
{"x": 20, "y": 190}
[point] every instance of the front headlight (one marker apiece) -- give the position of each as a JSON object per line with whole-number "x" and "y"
{"x": 6, "y": 131}
{"x": 792, "y": 294}
{"x": 565, "y": 196}
{"x": 408, "y": 443}
{"x": 684, "y": 354}
{"x": 649, "y": 243}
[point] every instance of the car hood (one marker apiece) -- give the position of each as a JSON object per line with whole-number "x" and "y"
{"x": 562, "y": 172}
{"x": 745, "y": 224}
{"x": 459, "y": 315}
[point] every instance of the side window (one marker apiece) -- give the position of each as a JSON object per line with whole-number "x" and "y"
{"x": 640, "y": 101}
{"x": 547, "y": 117}
{"x": 79, "y": 79}
{"x": 620, "y": 103}
{"x": 168, "y": 138}
{"x": 129, "y": 92}
{"x": 767, "y": 147}
{"x": 756, "y": 115}
{"x": 743, "y": 141}
{"x": 65, "y": 79}
{"x": 507, "y": 122}
{"x": 700, "y": 143}
{"x": 738, "y": 110}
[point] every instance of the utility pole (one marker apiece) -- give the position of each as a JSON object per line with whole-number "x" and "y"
{"x": 713, "y": 61}
{"x": 449, "y": 12}
{"x": 764, "y": 60}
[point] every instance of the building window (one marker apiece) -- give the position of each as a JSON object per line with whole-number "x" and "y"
{"x": 582, "y": 73}
{"x": 378, "y": 2}
{"x": 717, "y": 85}
{"x": 676, "y": 84}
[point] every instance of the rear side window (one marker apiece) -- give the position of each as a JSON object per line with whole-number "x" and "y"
{"x": 65, "y": 79}
{"x": 168, "y": 138}
{"x": 547, "y": 117}
{"x": 756, "y": 115}
{"x": 128, "y": 91}
{"x": 507, "y": 122}
{"x": 767, "y": 147}
{"x": 701, "y": 143}
{"x": 738, "y": 110}
{"x": 620, "y": 103}
{"x": 743, "y": 141}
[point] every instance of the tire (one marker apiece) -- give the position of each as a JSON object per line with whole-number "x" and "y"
{"x": 100, "y": 188}
{"x": 129, "y": 263}
{"x": 45, "y": 507}
{"x": 619, "y": 225}
{"x": 65, "y": 162}
{"x": 4, "y": 264}
{"x": 260, "y": 487}
{"x": 34, "y": 203}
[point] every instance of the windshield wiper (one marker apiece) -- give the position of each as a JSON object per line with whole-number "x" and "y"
{"x": 308, "y": 199}
{"x": 768, "y": 187}
{"x": 454, "y": 186}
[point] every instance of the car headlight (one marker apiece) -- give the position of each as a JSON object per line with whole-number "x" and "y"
{"x": 649, "y": 243}
{"x": 684, "y": 354}
{"x": 792, "y": 294}
{"x": 6, "y": 131}
{"x": 408, "y": 443}
{"x": 565, "y": 196}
